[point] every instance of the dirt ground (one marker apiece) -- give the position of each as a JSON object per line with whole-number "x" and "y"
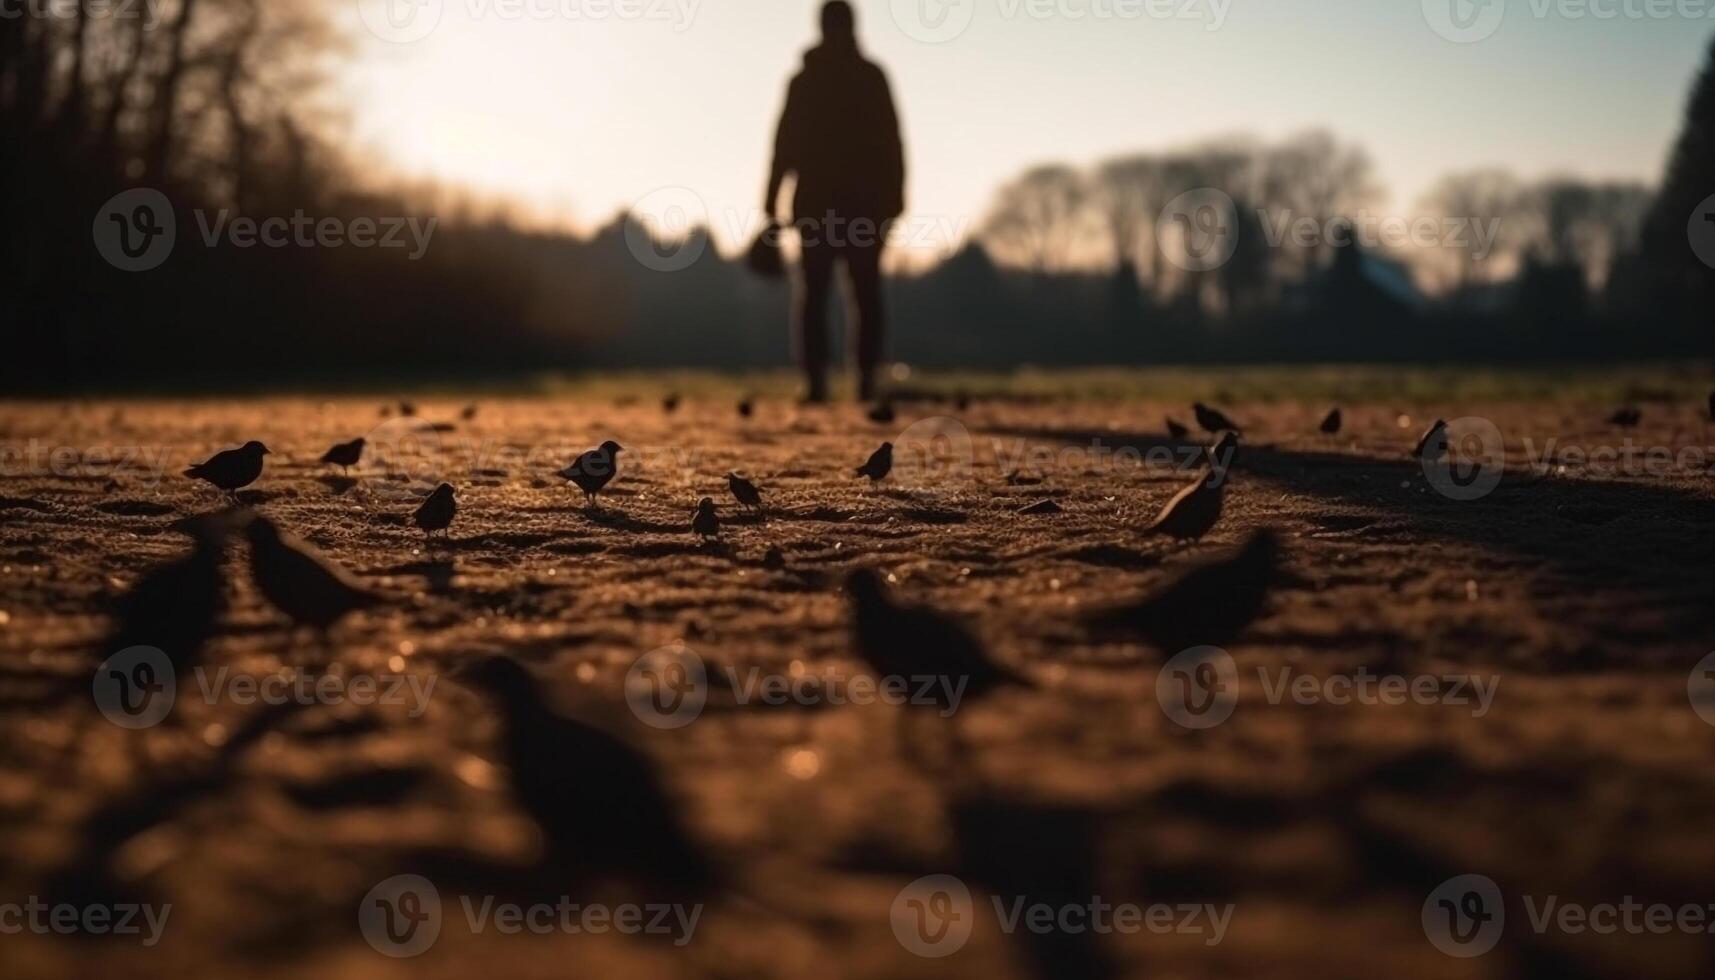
{"x": 1579, "y": 597}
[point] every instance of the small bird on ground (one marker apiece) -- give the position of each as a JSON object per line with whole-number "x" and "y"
{"x": 438, "y": 511}
{"x": 706, "y": 523}
{"x": 1212, "y": 421}
{"x": 233, "y": 469}
{"x": 1626, "y": 418}
{"x": 1210, "y": 605}
{"x": 1332, "y": 425}
{"x": 1712, "y": 406}
{"x": 583, "y": 785}
{"x": 1195, "y": 510}
{"x": 962, "y": 401}
{"x": 1433, "y": 448}
{"x": 470, "y": 412}
{"x": 880, "y": 464}
{"x": 1220, "y": 455}
{"x": 670, "y": 404}
{"x": 747, "y": 408}
{"x": 1177, "y": 431}
{"x": 311, "y": 590}
{"x": 774, "y": 560}
{"x": 745, "y": 492}
{"x": 896, "y": 640}
{"x": 174, "y": 607}
{"x": 883, "y": 413}
{"x": 595, "y": 469}
{"x": 407, "y": 409}
{"x": 345, "y": 455}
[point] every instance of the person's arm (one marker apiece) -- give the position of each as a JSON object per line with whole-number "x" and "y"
{"x": 894, "y": 158}
{"x": 785, "y": 151}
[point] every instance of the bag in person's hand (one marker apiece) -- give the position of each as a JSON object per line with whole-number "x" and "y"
{"x": 764, "y": 257}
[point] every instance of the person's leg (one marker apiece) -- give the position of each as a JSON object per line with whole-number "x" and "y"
{"x": 816, "y": 275}
{"x": 863, "y": 266}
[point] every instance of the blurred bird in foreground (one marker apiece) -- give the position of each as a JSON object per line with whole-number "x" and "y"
{"x": 601, "y": 805}
{"x": 595, "y": 469}
{"x": 1193, "y": 511}
{"x": 175, "y": 606}
{"x": 896, "y": 640}
{"x": 1177, "y": 431}
{"x": 345, "y": 455}
{"x": 1626, "y": 418}
{"x": 1212, "y": 421}
{"x": 745, "y": 492}
{"x": 311, "y": 590}
{"x": 879, "y": 465}
{"x": 1220, "y": 455}
{"x": 1332, "y": 425}
{"x": 1433, "y": 447}
{"x": 1210, "y": 605}
{"x": 706, "y": 523}
{"x": 232, "y": 470}
{"x": 438, "y": 511}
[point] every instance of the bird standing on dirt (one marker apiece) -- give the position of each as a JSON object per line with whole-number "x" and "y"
{"x": 706, "y": 523}
{"x": 745, "y": 492}
{"x": 1332, "y": 425}
{"x": 1433, "y": 448}
{"x": 670, "y": 404}
{"x": 1193, "y": 511}
{"x": 232, "y": 470}
{"x": 904, "y": 641}
{"x": 1626, "y": 418}
{"x": 174, "y": 607}
{"x": 311, "y": 590}
{"x": 1177, "y": 431}
{"x": 345, "y": 455}
{"x": 438, "y": 511}
{"x": 601, "y": 805}
{"x": 883, "y": 413}
{"x": 746, "y": 408}
{"x": 595, "y": 469}
{"x": 1210, "y": 605}
{"x": 880, "y": 464}
{"x": 470, "y": 412}
{"x": 1212, "y": 421}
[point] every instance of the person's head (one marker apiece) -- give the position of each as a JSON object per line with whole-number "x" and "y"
{"x": 839, "y": 23}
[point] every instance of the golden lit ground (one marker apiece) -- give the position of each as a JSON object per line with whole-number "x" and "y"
{"x": 1586, "y": 596}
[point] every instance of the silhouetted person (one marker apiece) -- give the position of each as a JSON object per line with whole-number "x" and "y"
{"x": 839, "y": 137}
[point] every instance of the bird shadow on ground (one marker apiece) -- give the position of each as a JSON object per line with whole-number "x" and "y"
{"x": 1652, "y": 542}
{"x": 339, "y": 486}
{"x": 621, "y": 521}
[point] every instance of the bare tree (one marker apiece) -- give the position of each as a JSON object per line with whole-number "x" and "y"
{"x": 1492, "y": 198}
{"x": 1038, "y": 220}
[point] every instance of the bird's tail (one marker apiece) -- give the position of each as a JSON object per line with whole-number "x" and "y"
{"x": 195, "y": 471}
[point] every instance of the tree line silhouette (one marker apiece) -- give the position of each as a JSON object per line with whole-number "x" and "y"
{"x": 223, "y": 106}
